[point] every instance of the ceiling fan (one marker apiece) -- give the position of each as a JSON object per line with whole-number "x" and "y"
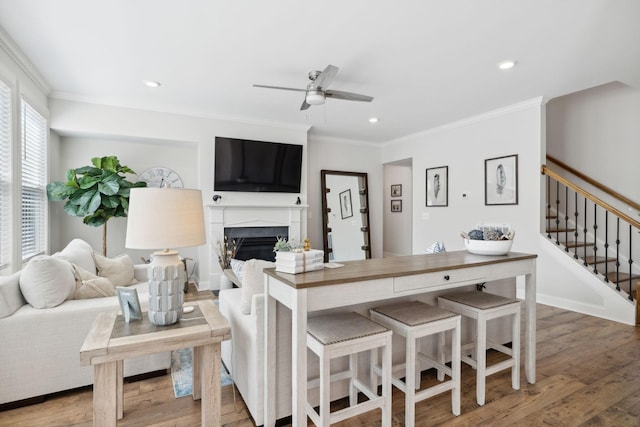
{"x": 316, "y": 91}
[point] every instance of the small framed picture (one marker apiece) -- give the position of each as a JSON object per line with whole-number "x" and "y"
{"x": 129, "y": 303}
{"x": 396, "y": 190}
{"x": 396, "y": 206}
{"x": 501, "y": 180}
{"x": 346, "y": 208}
{"x": 437, "y": 191}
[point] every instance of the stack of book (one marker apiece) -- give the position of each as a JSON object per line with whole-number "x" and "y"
{"x": 299, "y": 262}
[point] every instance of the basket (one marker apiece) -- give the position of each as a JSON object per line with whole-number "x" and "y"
{"x": 488, "y": 247}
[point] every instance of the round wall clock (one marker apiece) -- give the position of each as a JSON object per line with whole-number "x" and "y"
{"x": 161, "y": 177}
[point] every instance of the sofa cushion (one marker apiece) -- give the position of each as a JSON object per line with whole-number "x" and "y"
{"x": 11, "y": 298}
{"x": 119, "y": 270}
{"x": 253, "y": 282}
{"x": 88, "y": 285}
{"x": 237, "y": 266}
{"x": 47, "y": 281}
{"x": 78, "y": 252}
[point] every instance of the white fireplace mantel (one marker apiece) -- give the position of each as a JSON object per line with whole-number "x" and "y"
{"x": 225, "y": 215}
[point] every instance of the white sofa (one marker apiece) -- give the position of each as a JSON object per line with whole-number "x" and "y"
{"x": 40, "y": 347}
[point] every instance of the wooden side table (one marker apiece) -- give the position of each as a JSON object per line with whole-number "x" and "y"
{"x": 111, "y": 340}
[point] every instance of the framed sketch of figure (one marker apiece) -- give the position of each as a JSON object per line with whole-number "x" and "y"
{"x": 501, "y": 180}
{"x": 346, "y": 207}
{"x": 437, "y": 186}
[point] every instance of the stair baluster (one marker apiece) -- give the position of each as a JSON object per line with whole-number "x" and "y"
{"x": 576, "y": 233}
{"x": 548, "y": 207}
{"x": 618, "y": 255}
{"x": 566, "y": 218}
{"x": 557, "y": 213}
{"x": 630, "y": 264}
{"x": 606, "y": 246}
{"x": 584, "y": 231}
{"x": 595, "y": 238}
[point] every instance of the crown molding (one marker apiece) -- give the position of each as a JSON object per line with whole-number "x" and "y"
{"x": 13, "y": 51}
{"x": 540, "y": 101}
{"x": 65, "y": 96}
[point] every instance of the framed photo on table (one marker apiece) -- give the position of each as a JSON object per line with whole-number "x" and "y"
{"x": 129, "y": 303}
{"x": 501, "y": 180}
{"x": 346, "y": 207}
{"x": 437, "y": 186}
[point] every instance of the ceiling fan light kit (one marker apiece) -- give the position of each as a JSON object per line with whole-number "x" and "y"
{"x": 316, "y": 91}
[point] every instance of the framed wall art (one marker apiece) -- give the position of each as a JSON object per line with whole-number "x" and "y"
{"x": 396, "y": 190}
{"x": 501, "y": 180}
{"x": 396, "y": 206}
{"x": 437, "y": 186}
{"x": 346, "y": 207}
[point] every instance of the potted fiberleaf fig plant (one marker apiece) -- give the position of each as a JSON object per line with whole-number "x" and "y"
{"x": 96, "y": 193}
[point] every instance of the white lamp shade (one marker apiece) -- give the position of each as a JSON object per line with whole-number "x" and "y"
{"x": 163, "y": 218}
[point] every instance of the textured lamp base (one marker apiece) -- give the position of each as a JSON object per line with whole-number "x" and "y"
{"x": 166, "y": 288}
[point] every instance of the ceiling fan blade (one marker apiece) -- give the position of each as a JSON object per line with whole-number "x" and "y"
{"x": 337, "y": 94}
{"x": 325, "y": 78}
{"x": 304, "y": 105}
{"x": 281, "y": 88}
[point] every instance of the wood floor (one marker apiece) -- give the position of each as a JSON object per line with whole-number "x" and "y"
{"x": 588, "y": 375}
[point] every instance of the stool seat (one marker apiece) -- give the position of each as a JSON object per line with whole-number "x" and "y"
{"x": 348, "y": 334}
{"x": 340, "y": 327}
{"x": 484, "y": 306}
{"x": 415, "y": 320}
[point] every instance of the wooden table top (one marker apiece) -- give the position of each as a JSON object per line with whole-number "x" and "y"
{"x": 380, "y": 268}
{"x": 110, "y": 338}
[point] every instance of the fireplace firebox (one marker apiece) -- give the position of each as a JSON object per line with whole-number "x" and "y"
{"x": 256, "y": 242}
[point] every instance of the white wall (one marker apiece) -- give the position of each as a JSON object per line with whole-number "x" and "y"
{"x": 349, "y": 156}
{"x": 463, "y": 147}
{"x": 146, "y": 138}
{"x": 596, "y": 132}
{"x": 398, "y": 235}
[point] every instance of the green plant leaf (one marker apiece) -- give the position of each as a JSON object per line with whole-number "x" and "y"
{"x": 95, "y": 202}
{"x": 58, "y": 191}
{"x": 88, "y": 170}
{"x": 88, "y": 181}
{"x": 72, "y": 209}
{"x": 111, "y": 201}
{"x": 95, "y": 220}
{"x": 109, "y": 188}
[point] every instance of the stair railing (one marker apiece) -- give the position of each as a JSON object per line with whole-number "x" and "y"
{"x": 564, "y": 197}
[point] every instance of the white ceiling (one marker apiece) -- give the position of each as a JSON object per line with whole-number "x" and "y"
{"x": 426, "y": 62}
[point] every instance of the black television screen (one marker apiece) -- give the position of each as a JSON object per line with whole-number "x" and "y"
{"x": 257, "y": 166}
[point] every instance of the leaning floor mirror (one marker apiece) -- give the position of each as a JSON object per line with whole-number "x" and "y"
{"x": 345, "y": 219}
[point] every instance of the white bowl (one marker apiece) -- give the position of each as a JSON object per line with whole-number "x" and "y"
{"x": 488, "y": 247}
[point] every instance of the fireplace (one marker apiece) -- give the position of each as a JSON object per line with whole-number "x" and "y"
{"x": 258, "y": 225}
{"x": 255, "y": 242}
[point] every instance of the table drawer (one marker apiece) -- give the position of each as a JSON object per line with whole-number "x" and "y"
{"x": 439, "y": 278}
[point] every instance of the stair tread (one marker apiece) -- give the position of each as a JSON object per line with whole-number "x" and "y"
{"x": 576, "y": 244}
{"x": 559, "y": 230}
{"x": 622, "y": 277}
{"x": 599, "y": 259}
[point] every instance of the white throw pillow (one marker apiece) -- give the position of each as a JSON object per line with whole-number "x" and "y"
{"x": 11, "y": 298}
{"x": 253, "y": 282}
{"x": 88, "y": 285}
{"x": 119, "y": 270}
{"x": 237, "y": 266}
{"x": 78, "y": 252}
{"x": 47, "y": 281}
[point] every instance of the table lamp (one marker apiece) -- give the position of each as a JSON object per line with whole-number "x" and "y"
{"x": 164, "y": 218}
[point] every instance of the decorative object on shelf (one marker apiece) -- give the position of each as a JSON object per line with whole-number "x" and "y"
{"x": 285, "y": 245}
{"x": 501, "y": 180}
{"x": 299, "y": 262}
{"x": 298, "y": 201}
{"x": 307, "y": 245}
{"x": 217, "y": 198}
{"x": 97, "y": 193}
{"x": 129, "y": 303}
{"x": 227, "y": 250}
{"x": 165, "y": 218}
{"x": 488, "y": 241}
{"x": 396, "y": 190}
{"x": 346, "y": 206}
{"x": 437, "y": 191}
{"x": 160, "y": 176}
{"x": 436, "y": 248}
{"x": 396, "y": 206}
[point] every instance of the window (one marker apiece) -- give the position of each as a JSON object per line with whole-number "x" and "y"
{"x": 34, "y": 173}
{"x": 5, "y": 174}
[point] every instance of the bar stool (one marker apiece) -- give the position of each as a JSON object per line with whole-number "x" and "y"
{"x": 342, "y": 334}
{"x": 482, "y": 307}
{"x": 415, "y": 320}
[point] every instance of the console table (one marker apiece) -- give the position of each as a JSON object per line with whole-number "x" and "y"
{"x": 376, "y": 280}
{"x": 111, "y": 340}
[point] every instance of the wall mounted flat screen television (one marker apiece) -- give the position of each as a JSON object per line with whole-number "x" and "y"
{"x": 257, "y": 166}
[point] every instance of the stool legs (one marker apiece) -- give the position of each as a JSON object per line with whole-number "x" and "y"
{"x": 410, "y": 380}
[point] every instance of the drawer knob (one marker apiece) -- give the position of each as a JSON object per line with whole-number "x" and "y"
{"x": 446, "y": 277}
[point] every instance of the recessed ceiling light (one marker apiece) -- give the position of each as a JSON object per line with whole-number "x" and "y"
{"x": 507, "y": 64}
{"x": 374, "y": 120}
{"x": 152, "y": 83}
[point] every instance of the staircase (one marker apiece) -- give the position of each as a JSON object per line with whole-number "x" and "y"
{"x": 598, "y": 235}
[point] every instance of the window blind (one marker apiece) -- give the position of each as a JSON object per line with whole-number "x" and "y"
{"x": 5, "y": 174}
{"x": 34, "y": 172}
